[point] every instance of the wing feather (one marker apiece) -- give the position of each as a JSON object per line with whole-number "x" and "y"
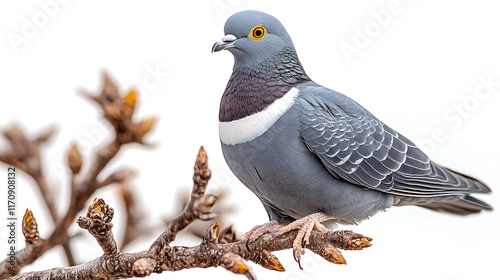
{"x": 355, "y": 146}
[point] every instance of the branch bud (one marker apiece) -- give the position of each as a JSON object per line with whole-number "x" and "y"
{"x": 332, "y": 254}
{"x": 234, "y": 263}
{"x": 130, "y": 99}
{"x": 74, "y": 159}
{"x": 143, "y": 127}
{"x": 30, "y": 227}
{"x": 271, "y": 262}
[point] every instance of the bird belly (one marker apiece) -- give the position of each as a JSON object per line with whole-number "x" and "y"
{"x": 292, "y": 183}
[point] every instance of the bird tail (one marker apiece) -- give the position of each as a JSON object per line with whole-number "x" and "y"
{"x": 461, "y": 206}
{"x": 464, "y": 203}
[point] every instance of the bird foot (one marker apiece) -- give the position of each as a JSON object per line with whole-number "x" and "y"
{"x": 258, "y": 231}
{"x": 305, "y": 227}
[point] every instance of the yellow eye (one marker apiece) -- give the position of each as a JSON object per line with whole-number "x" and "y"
{"x": 258, "y": 32}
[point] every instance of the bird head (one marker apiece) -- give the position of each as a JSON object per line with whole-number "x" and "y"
{"x": 253, "y": 37}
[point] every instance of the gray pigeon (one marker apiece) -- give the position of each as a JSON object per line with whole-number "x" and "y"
{"x": 312, "y": 154}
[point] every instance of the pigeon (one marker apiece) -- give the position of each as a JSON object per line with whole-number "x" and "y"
{"x": 313, "y": 155}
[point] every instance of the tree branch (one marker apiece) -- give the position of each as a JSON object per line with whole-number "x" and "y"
{"x": 209, "y": 253}
{"x": 215, "y": 249}
{"x": 25, "y": 155}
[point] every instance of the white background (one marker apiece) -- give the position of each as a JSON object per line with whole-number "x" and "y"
{"x": 413, "y": 70}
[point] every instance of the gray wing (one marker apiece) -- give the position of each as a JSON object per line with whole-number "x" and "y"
{"x": 353, "y": 145}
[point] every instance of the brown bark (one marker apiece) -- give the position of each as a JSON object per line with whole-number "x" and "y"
{"x": 217, "y": 248}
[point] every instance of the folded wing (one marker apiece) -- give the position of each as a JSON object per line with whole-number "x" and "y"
{"x": 355, "y": 146}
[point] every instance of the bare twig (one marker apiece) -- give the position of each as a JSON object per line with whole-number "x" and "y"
{"x": 209, "y": 253}
{"x": 25, "y": 155}
{"x": 198, "y": 207}
{"x": 98, "y": 223}
{"x": 222, "y": 211}
{"x": 134, "y": 217}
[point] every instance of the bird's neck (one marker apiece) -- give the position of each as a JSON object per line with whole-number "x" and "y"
{"x": 252, "y": 89}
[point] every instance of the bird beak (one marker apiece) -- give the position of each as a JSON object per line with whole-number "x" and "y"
{"x": 226, "y": 43}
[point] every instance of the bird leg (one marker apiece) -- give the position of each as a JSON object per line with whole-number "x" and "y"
{"x": 258, "y": 231}
{"x": 305, "y": 226}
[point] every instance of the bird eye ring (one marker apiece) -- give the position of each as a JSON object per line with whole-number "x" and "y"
{"x": 258, "y": 32}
